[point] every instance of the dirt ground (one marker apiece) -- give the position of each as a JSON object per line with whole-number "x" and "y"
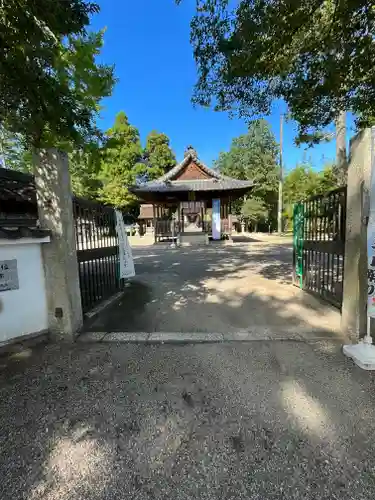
{"x": 262, "y": 419}
{"x": 255, "y": 420}
{"x": 244, "y": 287}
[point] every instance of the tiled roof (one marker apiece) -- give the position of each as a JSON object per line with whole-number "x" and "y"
{"x": 215, "y": 182}
{"x": 18, "y": 207}
{"x": 193, "y": 185}
{"x": 17, "y": 192}
{"x": 15, "y": 233}
{"x": 169, "y": 176}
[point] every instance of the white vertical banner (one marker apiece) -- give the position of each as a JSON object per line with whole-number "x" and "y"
{"x": 371, "y": 238}
{"x": 216, "y": 221}
{"x": 125, "y": 252}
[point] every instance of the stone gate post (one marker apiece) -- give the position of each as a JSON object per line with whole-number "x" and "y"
{"x": 55, "y": 210}
{"x": 354, "y": 305}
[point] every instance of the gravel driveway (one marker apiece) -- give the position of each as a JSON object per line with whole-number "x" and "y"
{"x": 229, "y": 420}
{"x": 218, "y": 288}
{"x": 259, "y": 420}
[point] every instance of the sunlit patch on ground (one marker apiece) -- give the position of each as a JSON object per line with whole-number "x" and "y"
{"x": 75, "y": 464}
{"x": 217, "y": 289}
{"x": 305, "y": 411}
{"x": 253, "y": 420}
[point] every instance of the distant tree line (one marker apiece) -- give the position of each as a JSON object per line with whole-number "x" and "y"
{"x": 51, "y": 91}
{"x": 103, "y": 169}
{"x": 255, "y": 156}
{"x": 52, "y": 86}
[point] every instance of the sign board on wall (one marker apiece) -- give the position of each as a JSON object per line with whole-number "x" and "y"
{"x": 216, "y": 221}
{"x": 192, "y": 206}
{"x": 8, "y": 275}
{"x": 125, "y": 252}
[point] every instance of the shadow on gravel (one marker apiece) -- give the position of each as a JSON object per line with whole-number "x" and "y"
{"x": 219, "y": 288}
{"x": 281, "y": 272}
{"x": 238, "y": 238}
{"x": 132, "y": 303}
{"x": 259, "y": 421}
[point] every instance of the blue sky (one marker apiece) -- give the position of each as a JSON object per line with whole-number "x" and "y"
{"x": 148, "y": 41}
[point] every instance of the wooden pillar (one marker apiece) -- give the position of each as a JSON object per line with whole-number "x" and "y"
{"x": 230, "y": 218}
{"x": 179, "y": 217}
{"x": 160, "y": 222}
{"x": 205, "y": 216}
{"x": 222, "y": 214}
{"x": 158, "y": 216}
{"x": 154, "y": 214}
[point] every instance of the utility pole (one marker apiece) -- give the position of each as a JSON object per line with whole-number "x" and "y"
{"x": 280, "y": 202}
{"x": 2, "y": 152}
{"x": 341, "y": 166}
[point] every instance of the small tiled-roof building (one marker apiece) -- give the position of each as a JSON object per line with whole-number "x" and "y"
{"x": 192, "y": 175}
{"x": 187, "y": 192}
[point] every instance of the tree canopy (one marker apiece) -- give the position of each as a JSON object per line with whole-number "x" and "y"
{"x": 303, "y": 181}
{"x": 121, "y": 155}
{"x": 92, "y": 82}
{"x": 158, "y": 155}
{"x": 317, "y": 55}
{"x": 125, "y": 162}
{"x": 253, "y": 156}
{"x": 102, "y": 169}
{"x": 50, "y": 83}
{"x": 254, "y": 210}
{"x": 85, "y": 168}
{"x": 13, "y": 154}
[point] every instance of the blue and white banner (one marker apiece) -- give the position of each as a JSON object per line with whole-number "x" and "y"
{"x": 125, "y": 252}
{"x": 216, "y": 221}
{"x": 371, "y": 237}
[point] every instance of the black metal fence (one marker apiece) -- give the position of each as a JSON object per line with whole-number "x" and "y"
{"x": 97, "y": 252}
{"x": 319, "y": 245}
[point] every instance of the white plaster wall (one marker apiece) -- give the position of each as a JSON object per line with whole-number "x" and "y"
{"x": 23, "y": 311}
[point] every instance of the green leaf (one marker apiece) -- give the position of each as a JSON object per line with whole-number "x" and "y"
{"x": 158, "y": 155}
{"x": 121, "y": 155}
{"x": 51, "y": 85}
{"x": 315, "y": 55}
{"x": 254, "y": 156}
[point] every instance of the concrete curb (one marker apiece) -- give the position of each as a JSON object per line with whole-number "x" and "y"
{"x": 105, "y": 303}
{"x": 151, "y": 338}
{"x": 196, "y": 337}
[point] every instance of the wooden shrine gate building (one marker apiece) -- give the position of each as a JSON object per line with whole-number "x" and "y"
{"x": 192, "y": 203}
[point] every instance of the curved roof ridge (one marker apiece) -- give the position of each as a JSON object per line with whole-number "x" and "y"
{"x": 169, "y": 183}
{"x": 180, "y": 166}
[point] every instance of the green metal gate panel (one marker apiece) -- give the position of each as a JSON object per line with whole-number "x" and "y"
{"x": 319, "y": 225}
{"x": 298, "y": 233}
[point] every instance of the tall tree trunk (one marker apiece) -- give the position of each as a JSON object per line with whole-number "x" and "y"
{"x": 341, "y": 167}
